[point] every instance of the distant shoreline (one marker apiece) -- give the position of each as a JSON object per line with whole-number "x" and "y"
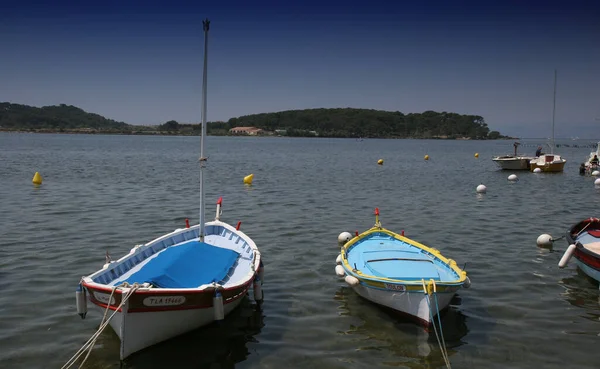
{"x": 174, "y": 133}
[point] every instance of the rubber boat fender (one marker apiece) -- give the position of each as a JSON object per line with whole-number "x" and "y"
{"x": 352, "y": 281}
{"x": 567, "y": 256}
{"x": 218, "y": 308}
{"x": 339, "y": 271}
{"x": 467, "y": 283}
{"x": 81, "y": 301}
{"x": 261, "y": 272}
{"x": 258, "y": 294}
{"x": 338, "y": 260}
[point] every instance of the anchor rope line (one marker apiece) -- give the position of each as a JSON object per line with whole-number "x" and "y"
{"x": 89, "y": 344}
{"x": 439, "y": 341}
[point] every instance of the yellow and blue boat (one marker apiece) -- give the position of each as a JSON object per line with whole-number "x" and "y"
{"x": 399, "y": 273}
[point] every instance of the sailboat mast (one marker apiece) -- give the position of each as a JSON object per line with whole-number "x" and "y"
{"x": 205, "y": 24}
{"x": 553, "y": 113}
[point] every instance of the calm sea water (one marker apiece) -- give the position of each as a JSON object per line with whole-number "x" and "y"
{"x": 111, "y": 192}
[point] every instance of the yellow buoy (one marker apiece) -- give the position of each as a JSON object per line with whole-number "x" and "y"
{"x": 476, "y": 154}
{"x": 380, "y": 161}
{"x": 37, "y": 178}
{"x": 426, "y": 157}
{"x": 248, "y": 179}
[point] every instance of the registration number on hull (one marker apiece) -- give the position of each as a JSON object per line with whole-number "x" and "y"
{"x": 395, "y": 287}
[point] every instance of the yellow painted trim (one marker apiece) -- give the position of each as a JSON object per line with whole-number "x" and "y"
{"x": 431, "y": 250}
{"x": 411, "y": 286}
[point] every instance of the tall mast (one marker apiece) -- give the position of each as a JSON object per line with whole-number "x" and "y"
{"x": 205, "y": 24}
{"x": 553, "y": 113}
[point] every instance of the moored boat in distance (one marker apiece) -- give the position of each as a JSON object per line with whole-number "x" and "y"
{"x": 177, "y": 282}
{"x": 399, "y": 273}
{"x": 549, "y": 162}
{"x": 584, "y": 244}
{"x": 592, "y": 163}
{"x": 513, "y": 161}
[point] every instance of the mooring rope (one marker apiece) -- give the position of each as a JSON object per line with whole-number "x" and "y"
{"x": 437, "y": 308}
{"x": 103, "y": 324}
{"x": 439, "y": 341}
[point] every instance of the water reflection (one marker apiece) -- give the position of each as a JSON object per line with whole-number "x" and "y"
{"x": 403, "y": 337}
{"x": 581, "y": 291}
{"x": 221, "y": 345}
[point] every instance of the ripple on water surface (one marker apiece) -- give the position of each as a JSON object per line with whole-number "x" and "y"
{"x": 108, "y": 193}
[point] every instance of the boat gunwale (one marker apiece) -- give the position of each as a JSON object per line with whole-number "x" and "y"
{"x": 434, "y": 252}
{"x": 87, "y": 281}
{"x": 114, "y": 306}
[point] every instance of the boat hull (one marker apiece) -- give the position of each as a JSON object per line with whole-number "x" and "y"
{"x": 548, "y": 163}
{"x": 588, "y": 268}
{"x": 141, "y": 330}
{"x": 145, "y": 314}
{"x": 417, "y": 306}
{"x": 553, "y": 167}
{"x": 512, "y": 163}
{"x": 399, "y": 273}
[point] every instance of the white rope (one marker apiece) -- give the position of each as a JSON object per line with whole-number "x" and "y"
{"x": 103, "y": 324}
{"x": 442, "y": 347}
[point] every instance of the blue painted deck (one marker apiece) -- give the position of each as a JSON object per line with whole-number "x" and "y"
{"x": 586, "y": 238}
{"x": 188, "y": 265}
{"x": 383, "y": 256}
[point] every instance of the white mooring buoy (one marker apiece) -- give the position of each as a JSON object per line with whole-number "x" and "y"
{"x": 596, "y": 173}
{"x": 544, "y": 240}
{"x": 597, "y": 182}
{"x": 537, "y": 170}
{"x": 513, "y": 178}
{"x": 481, "y": 188}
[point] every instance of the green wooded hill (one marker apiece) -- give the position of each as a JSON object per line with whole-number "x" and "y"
{"x": 349, "y": 122}
{"x": 56, "y": 117}
{"x": 346, "y": 122}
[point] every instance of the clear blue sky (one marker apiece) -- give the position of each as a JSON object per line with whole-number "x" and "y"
{"x": 142, "y": 62}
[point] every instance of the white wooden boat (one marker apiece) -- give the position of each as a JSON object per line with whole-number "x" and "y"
{"x": 177, "y": 282}
{"x": 549, "y": 162}
{"x": 513, "y": 161}
{"x": 399, "y": 273}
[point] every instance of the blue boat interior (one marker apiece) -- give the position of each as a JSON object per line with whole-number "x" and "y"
{"x": 587, "y": 237}
{"x": 383, "y": 256}
{"x": 188, "y": 265}
{"x": 165, "y": 264}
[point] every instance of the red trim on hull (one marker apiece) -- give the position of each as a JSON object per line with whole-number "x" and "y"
{"x": 588, "y": 258}
{"x": 133, "y": 309}
{"x": 158, "y": 309}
